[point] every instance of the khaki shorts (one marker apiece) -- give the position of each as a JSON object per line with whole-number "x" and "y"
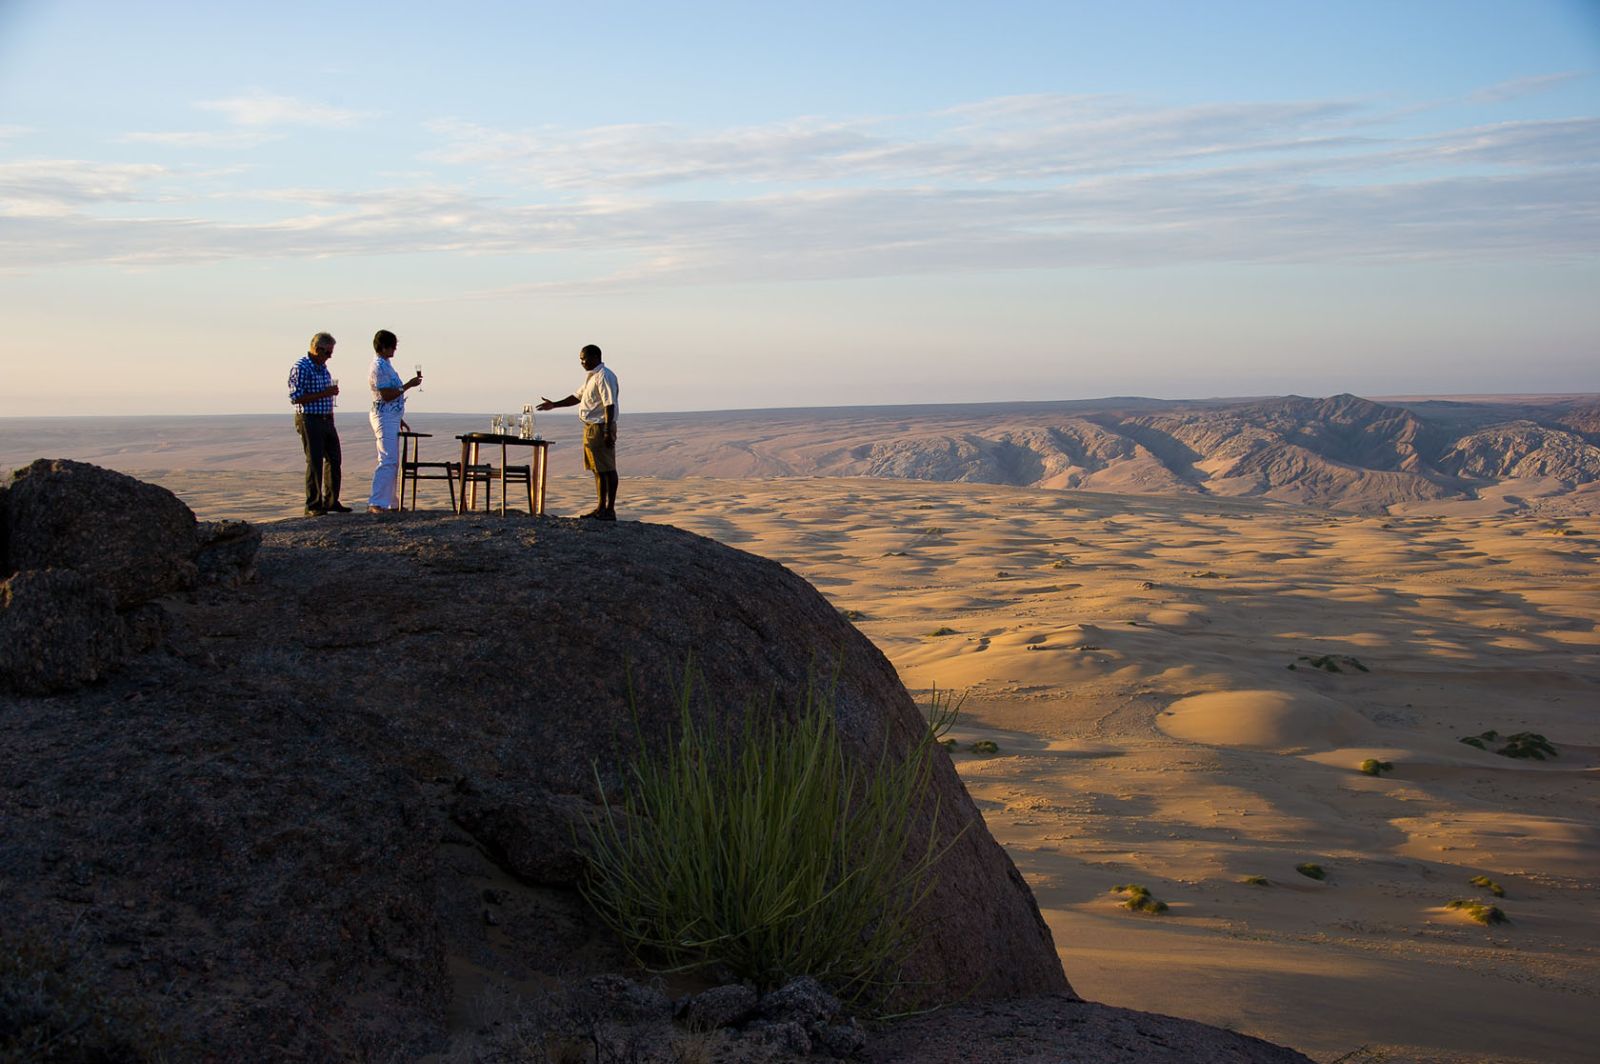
{"x": 598, "y": 455}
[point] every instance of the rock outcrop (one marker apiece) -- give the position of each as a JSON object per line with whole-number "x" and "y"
{"x": 334, "y": 804}
{"x": 84, "y": 551}
{"x": 1343, "y": 451}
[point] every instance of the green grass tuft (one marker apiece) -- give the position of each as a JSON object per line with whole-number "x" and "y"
{"x": 852, "y": 615}
{"x": 1373, "y": 767}
{"x": 944, "y": 708}
{"x": 1477, "y": 910}
{"x": 767, "y": 853}
{"x": 1311, "y": 871}
{"x": 1139, "y": 899}
{"x": 1485, "y": 883}
{"x": 943, "y": 629}
{"x": 1256, "y": 881}
{"x": 985, "y": 746}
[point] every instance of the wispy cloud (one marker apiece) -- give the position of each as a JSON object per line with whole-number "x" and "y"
{"x": 1519, "y": 87}
{"x": 260, "y": 109}
{"x": 1015, "y": 183}
{"x": 220, "y": 140}
{"x": 13, "y": 132}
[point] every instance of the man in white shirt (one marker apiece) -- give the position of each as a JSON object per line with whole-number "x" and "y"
{"x": 597, "y": 409}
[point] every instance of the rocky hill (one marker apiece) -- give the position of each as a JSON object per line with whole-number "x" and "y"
{"x": 319, "y": 801}
{"x": 1343, "y": 452}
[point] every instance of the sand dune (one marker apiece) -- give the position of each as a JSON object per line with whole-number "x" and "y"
{"x": 1129, "y": 656}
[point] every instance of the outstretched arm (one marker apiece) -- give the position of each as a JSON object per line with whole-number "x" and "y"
{"x": 551, "y": 404}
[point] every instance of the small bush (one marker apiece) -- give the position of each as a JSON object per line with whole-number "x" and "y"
{"x": 1521, "y": 744}
{"x": 985, "y": 746}
{"x": 1139, "y": 899}
{"x": 943, "y": 629}
{"x": 1485, "y": 883}
{"x": 944, "y": 708}
{"x": 768, "y": 853}
{"x": 1477, "y": 910}
{"x": 1329, "y": 663}
{"x": 852, "y": 615}
{"x": 1373, "y": 767}
{"x": 1311, "y": 871}
{"x": 1256, "y": 881}
{"x": 1527, "y": 744}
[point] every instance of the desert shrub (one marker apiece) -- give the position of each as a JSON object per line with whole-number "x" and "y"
{"x": 1256, "y": 881}
{"x": 1485, "y": 883}
{"x": 944, "y": 708}
{"x": 985, "y": 746}
{"x": 51, "y": 1012}
{"x": 1311, "y": 871}
{"x": 1527, "y": 744}
{"x": 852, "y": 615}
{"x": 1373, "y": 767}
{"x": 772, "y": 855}
{"x": 1477, "y": 910}
{"x": 1139, "y": 899}
{"x": 1329, "y": 663}
{"x": 943, "y": 629}
{"x": 1521, "y": 744}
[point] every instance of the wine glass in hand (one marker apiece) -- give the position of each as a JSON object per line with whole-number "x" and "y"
{"x": 419, "y": 376}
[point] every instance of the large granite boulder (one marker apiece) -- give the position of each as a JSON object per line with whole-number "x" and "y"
{"x": 92, "y": 551}
{"x": 136, "y": 540}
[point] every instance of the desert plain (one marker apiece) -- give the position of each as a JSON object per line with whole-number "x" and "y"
{"x": 1180, "y": 690}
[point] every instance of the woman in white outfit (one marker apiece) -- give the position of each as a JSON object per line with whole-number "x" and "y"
{"x": 388, "y": 418}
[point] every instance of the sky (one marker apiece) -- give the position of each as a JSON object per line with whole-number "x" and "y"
{"x": 828, "y": 204}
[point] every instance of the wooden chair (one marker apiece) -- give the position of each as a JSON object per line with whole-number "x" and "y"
{"x": 413, "y": 469}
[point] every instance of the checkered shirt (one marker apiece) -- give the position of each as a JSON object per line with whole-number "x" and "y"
{"x": 308, "y": 377}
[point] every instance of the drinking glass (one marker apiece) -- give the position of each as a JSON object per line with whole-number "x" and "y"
{"x": 419, "y": 373}
{"x": 334, "y": 400}
{"x": 495, "y": 424}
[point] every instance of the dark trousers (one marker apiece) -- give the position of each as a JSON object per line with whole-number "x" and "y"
{"x": 321, "y": 442}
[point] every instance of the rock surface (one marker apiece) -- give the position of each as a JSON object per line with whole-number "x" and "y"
{"x": 316, "y": 822}
{"x": 58, "y": 630}
{"x": 86, "y": 552}
{"x": 136, "y": 540}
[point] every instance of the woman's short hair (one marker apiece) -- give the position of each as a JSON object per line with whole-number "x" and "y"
{"x": 383, "y": 340}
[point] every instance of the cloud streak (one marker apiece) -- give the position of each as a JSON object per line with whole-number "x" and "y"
{"x": 1033, "y": 182}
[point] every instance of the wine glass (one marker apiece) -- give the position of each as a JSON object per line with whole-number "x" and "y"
{"x": 419, "y": 373}
{"x": 334, "y": 399}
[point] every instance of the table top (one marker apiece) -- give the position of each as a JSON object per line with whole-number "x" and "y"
{"x": 408, "y": 432}
{"x": 491, "y": 437}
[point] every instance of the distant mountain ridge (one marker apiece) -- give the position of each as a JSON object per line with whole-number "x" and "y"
{"x": 1342, "y": 451}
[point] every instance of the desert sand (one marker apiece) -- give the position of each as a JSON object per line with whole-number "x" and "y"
{"x": 1129, "y": 656}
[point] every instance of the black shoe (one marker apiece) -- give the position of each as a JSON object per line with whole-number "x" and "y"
{"x": 592, "y": 515}
{"x": 605, "y": 515}
{"x": 315, "y": 511}
{"x": 338, "y": 508}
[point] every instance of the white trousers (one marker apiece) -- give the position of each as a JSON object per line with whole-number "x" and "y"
{"x": 386, "y": 476}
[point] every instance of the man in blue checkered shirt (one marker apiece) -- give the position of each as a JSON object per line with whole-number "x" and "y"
{"x": 311, "y": 390}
